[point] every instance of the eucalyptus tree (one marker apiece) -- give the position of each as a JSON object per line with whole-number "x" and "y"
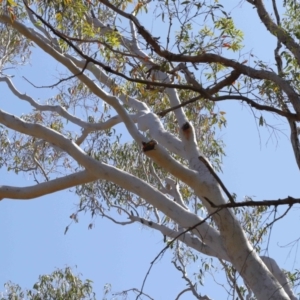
{"x": 61, "y": 284}
{"x": 163, "y": 90}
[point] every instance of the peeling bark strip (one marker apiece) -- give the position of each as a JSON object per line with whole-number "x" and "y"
{"x": 212, "y": 171}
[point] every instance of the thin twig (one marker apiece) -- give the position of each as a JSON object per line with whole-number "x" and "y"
{"x": 215, "y": 175}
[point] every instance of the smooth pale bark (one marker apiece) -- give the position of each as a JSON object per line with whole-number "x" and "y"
{"x": 45, "y": 188}
{"x": 129, "y": 182}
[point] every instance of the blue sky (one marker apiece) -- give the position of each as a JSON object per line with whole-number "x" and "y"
{"x": 32, "y": 232}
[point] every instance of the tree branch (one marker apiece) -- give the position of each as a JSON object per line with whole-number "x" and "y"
{"x": 187, "y": 238}
{"x": 64, "y": 113}
{"x": 211, "y": 170}
{"x": 45, "y": 188}
{"x": 211, "y": 58}
{"x": 204, "y": 94}
{"x": 286, "y": 201}
{"x": 123, "y": 179}
{"x": 277, "y": 31}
